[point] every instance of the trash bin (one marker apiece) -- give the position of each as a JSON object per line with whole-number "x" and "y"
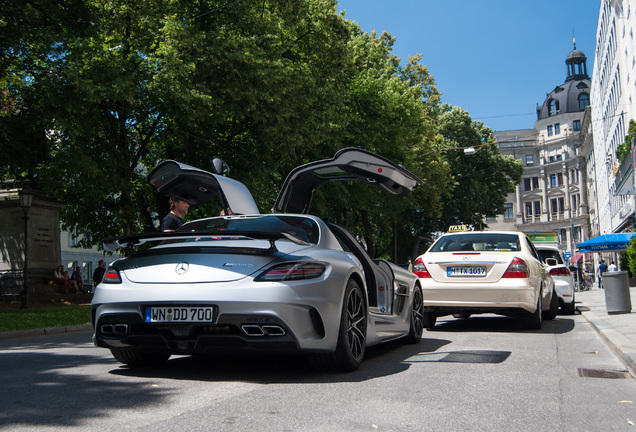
{"x": 617, "y": 297}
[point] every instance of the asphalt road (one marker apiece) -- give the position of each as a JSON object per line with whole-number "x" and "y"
{"x": 480, "y": 374}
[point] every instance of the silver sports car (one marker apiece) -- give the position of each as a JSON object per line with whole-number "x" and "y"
{"x": 283, "y": 282}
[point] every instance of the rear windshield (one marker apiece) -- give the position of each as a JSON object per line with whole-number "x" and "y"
{"x": 477, "y": 242}
{"x": 300, "y": 227}
{"x": 549, "y": 253}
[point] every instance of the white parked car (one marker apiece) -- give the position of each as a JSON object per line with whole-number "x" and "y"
{"x": 476, "y": 272}
{"x": 562, "y": 276}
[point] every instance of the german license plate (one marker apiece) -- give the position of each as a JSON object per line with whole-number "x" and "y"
{"x": 164, "y": 314}
{"x": 466, "y": 271}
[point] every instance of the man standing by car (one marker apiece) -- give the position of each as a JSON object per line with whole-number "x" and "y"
{"x": 98, "y": 274}
{"x": 174, "y": 219}
{"x": 602, "y": 268}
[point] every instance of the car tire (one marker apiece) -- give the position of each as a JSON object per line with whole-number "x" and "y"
{"x": 352, "y": 334}
{"x": 417, "y": 318}
{"x": 429, "y": 319}
{"x": 534, "y": 320}
{"x": 132, "y": 357}
{"x": 569, "y": 308}
{"x": 551, "y": 313}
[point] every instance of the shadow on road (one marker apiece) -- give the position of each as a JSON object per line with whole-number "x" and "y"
{"x": 500, "y": 324}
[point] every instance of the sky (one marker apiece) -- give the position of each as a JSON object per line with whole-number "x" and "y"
{"x": 497, "y": 59}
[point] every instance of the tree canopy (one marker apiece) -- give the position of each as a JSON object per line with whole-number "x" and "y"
{"x": 95, "y": 93}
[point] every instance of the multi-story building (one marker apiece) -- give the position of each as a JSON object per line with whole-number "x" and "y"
{"x": 552, "y": 196}
{"x": 613, "y": 101}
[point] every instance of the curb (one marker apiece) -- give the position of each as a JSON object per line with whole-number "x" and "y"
{"x": 17, "y": 334}
{"x": 622, "y": 346}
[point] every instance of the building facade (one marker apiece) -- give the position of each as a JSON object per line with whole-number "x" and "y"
{"x": 613, "y": 98}
{"x": 552, "y": 197}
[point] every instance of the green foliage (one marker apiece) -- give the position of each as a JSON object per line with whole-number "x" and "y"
{"x": 623, "y": 148}
{"x": 95, "y": 93}
{"x": 630, "y": 255}
{"x": 481, "y": 180}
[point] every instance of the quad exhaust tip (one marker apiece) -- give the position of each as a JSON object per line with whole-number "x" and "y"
{"x": 262, "y": 330}
{"x": 115, "y": 329}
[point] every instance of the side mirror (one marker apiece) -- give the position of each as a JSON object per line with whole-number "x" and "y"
{"x": 219, "y": 166}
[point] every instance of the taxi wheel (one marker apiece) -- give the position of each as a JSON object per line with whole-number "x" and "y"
{"x": 551, "y": 313}
{"x": 133, "y": 357}
{"x": 533, "y": 321}
{"x": 429, "y": 319}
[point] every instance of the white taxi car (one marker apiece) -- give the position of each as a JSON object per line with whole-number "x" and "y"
{"x": 500, "y": 272}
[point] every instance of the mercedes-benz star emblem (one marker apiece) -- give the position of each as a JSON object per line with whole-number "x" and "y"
{"x": 182, "y": 267}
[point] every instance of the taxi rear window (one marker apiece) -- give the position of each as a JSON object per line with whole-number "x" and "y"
{"x": 477, "y": 242}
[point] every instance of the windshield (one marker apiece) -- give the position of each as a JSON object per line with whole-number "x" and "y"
{"x": 477, "y": 242}
{"x": 550, "y": 253}
{"x": 302, "y": 228}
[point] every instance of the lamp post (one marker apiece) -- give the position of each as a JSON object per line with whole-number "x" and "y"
{"x": 26, "y": 199}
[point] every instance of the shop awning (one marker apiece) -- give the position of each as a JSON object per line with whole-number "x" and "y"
{"x": 606, "y": 243}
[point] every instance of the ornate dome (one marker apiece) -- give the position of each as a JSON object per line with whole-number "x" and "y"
{"x": 574, "y": 94}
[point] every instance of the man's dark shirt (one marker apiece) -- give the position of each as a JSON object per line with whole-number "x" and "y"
{"x": 98, "y": 275}
{"x": 171, "y": 222}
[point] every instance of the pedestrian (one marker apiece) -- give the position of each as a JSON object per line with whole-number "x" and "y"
{"x": 78, "y": 279}
{"x": 174, "y": 219}
{"x": 602, "y": 268}
{"x": 60, "y": 279}
{"x": 98, "y": 274}
{"x": 612, "y": 267}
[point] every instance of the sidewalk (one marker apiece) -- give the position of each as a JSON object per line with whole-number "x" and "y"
{"x": 617, "y": 330}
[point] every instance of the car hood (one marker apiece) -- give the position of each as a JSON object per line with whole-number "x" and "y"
{"x": 349, "y": 164}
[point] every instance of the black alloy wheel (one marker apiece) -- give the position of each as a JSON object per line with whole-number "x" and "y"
{"x": 417, "y": 317}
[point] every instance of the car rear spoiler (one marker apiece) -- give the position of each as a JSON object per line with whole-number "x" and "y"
{"x": 129, "y": 242}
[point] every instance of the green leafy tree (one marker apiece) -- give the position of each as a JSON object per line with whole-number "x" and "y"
{"x": 483, "y": 179}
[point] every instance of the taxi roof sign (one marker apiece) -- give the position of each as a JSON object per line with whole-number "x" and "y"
{"x": 457, "y": 228}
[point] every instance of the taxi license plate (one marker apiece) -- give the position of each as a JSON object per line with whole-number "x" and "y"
{"x": 165, "y": 314}
{"x": 466, "y": 271}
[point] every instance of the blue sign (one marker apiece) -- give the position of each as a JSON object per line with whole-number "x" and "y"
{"x": 568, "y": 254}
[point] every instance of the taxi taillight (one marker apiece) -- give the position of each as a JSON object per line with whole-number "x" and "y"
{"x": 517, "y": 269}
{"x": 560, "y": 271}
{"x": 420, "y": 269}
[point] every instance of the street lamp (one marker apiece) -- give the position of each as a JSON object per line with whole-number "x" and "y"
{"x": 26, "y": 199}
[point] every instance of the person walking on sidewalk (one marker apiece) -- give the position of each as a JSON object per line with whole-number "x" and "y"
{"x": 602, "y": 268}
{"x": 612, "y": 267}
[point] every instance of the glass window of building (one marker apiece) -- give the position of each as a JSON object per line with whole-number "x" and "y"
{"x": 584, "y": 101}
{"x": 550, "y": 132}
{"x": 553, "y": 107}
{"x": 535, "y": 182}
{"x": 529, "y": 160}
{"x": 557, "y": 128}
{"x": 508, "y": 213}
{"x": 576, "y": 125}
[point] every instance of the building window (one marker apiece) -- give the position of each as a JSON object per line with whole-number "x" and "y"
{"x": 73, "y": 238}
{"x": 530, "y": 183}
{"x": 584, "y": 101}
{"x": 576, "y": 202}
{"x": 533, "y": 210}
{"x": 576, "y": 125}
{"x": 553, "y": 107}
{"x": 557, "y": 128}
{"x": 574, "y": 175}
{"x": 508, "y": 213}
{"x": 550, "y": 132}
{"x": 557, "y": 206}
{"x": 556, "y": 180}
{"x": 529, "y": 160}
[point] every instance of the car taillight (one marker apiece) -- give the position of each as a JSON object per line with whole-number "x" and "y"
{"x": 560, "y": 271}
{"x": 292, "y": 271}
{"x": 420, "y": 269}
{"x": 111, "y": 276}
{"x": 517, "y": 269}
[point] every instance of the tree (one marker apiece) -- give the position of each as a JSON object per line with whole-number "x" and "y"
{"x": 483, "y": 179}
